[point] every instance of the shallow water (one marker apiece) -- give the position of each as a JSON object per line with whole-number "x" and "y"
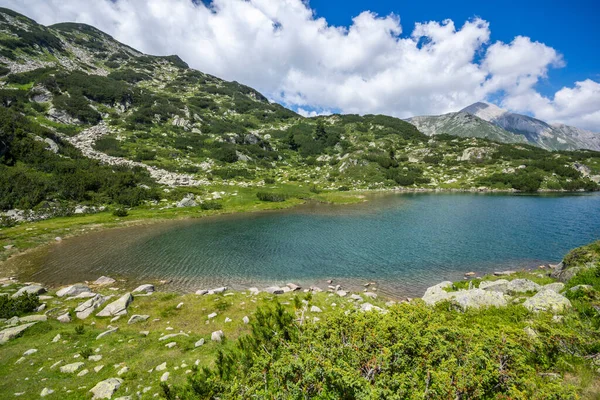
{"x": 404, "y": 242}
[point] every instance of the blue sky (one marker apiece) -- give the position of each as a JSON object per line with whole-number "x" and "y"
{"x": 572, "y": 27}
{"x": 534, "y": 57}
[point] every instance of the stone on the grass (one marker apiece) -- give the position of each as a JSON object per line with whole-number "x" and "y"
{"x": 30, "y": 352}
{"x": 31, "y": 289}
{"x": 522, "y": 286}
{"x": 477, "y": 298}
{"x": 179, "y": 306}
{"x": 218, "y": 290}
{"x": 56, "y": 338}
{"x": 65, "y": 318}
{"x": 161, "y": 367}
{"x": 73, "y": 290}
{"x": 371, "y": 295}
{"x": 164, "y": 377}
{"x": 493, "y": 284}
{"x": 246, "y": 320}
{"x": 437, "y": 293}
{"x": 86, "y": 308}
{"x": 341, "y": 293}
{"x": 137, "y": 318}
{"x": 96, "y": 357}
{"x": 227, "y": 319}
{"x": 106, "y": 388}
{"x": 356, "y": 297}
{"x": 108, "y": 332}
{"x": 504, "y": 273}
{"x": 217, "y": 336}
{"x": 123, "y": 370}
{"x": 274, "y": 290}
{"x": 547, "y": 300}
{"x": 171, "y": 345}
{"x": 315, "y": 309}
{"x": 199, "y": 343}
{"x": 13, "y": 332}
{"x": 71, "y": 368}
{"x": 254, "y": 291}
{"x": 172, "y": 335}
{"x": 556, "y": 286}
{"x": 104, "y": 280}
{"x": 212, "y": 315}
{"x": 144, "y": 333}
{"x": 366, "y": 307}
{"x": 34, "y": 318}
{"x": 201, "y": 292}
{"x": 146, "y": 288}
{"x": 581, "y": 287}
{"x": 83, "y": 372}
{"x": 46, "y": 391}
{"x": 117, "y": 307}
{"x": 98, "y": 368}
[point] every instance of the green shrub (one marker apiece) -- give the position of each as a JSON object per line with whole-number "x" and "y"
{"x": 120, "y": 212}
{"x": 211, "y": 205}
{"x": 269, "y": 180}
{"x": 86, "y": 352}
{"x": 344, "y": 189}
{"x": 273, "y": 197}
{"x": 10, "y": 307}
{"x": 79, "y": 329}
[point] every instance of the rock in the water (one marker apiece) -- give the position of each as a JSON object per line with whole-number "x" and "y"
{"x": 85, "y": 309}
{"x": 65, "y": 318}
{"x": 13, "y": 332}
{"x": 108, "y": 332}
{"x": 557, "y": 287}
{"x": 547, "y": 300}
{"x": 73, "y": 290}
{"x": 117, "y": 307}
{"x": 31, "y": 289}
{"x": 315, "y": 309}
{"x": 137, "y": 318}
{"x": 147, "y": 288}
{"x": 104, "y": 280}
{"x": 217, "y": 336}
{"x": 106, "y": 388}
{"x": 71, "y": 368}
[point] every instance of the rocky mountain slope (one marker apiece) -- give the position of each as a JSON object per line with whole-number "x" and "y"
{"x": 537, "y": 132}
{"x": 89, "y": 121}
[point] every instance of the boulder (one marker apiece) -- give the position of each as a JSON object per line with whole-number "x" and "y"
{"x": 218, "y": 290}
{"x": 104, "y": 280}
{"x": 557, "y": 287}
{"x": 161, "y": 367}
{"x": 117, "y": 307}
{"x": 164, "y": 377}
{"x": 146, "y": 288}
{"x": 494, "y": 285}
{"x": 437, "y": 293}
{"x": 547, "y": 300}
{"x": 201, "y": 292}
{"x": 341, "y": 293}
{"x": 477, "y": 298}
{"x": 274, "y": 290}
{"x": 217, "y": 336}
{"x": 581, "y": 287}
{"x": 137, "y": 318}
{"x": 71, "y": 368}
{"x": 199, "y": 343}
{"x": 31, "y": 289}
{"x": 366, "y": 307}
{"x": 85, "y": 309}
{"x": 522, "y": 286}
{"x": 46, "y": 392}
{"x": 34, "y": 318}
{"x": 65, "y": 318}
{"x": 293, "y": 287}
{"x": 73, "y": 290}
{"x": 106, "y": 388}
{"x": 108, "y": 332}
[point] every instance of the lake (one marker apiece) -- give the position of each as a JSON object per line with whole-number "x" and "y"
{"x": 403, "y": 242}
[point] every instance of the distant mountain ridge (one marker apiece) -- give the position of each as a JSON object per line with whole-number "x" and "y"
{"x": 485, "y": 120}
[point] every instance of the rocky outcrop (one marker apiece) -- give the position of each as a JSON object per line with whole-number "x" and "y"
{"x": 31, "y": 289}
{"x": 85, "y": 309}
{"x": 117, "y": 307}
{"x": 13, "y": 332}
{"x": 73, "y": 290}
{"x": 547, "y": 300}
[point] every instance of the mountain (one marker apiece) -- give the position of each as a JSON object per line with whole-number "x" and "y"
{"x": 87, "y": 121}
{"x": 463, "y": 124}
{"x": 537, "y": 132}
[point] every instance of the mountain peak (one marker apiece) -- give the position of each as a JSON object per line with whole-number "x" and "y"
{"x": 485, "y": 111}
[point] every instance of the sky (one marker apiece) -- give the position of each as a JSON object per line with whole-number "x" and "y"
{"x": 397, "y": 58}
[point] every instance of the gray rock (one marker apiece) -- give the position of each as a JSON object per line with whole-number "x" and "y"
{"x": 84, "y": 295}
{"x": 217, "y": 336}
{"x": 437, "y": 293}
{"x": 137, "y": 318}
{"x": 106, "y": 388}
{"x": 199, "y": 343}
{"x": 355, "y": 297}
{"x": 30, "y": 352}
{"x": 161, "y": 367}
{"x": 477, "y": 298}
{"x": 65, "y": 318}
{"x": 557, "y": 287}
{"x": 504, "y": 273}
{"x": 46, "y": 391}
{"x": 95, "y": 357}
{"x": 581, "y": 287}
{"x": 366, "y": 307}
{"x": 547, "y": 300}
{"x": 172, "y": 335}
{"x": 31, "y": 289}
{"x": 218, "y": 290}
{"x": 246, "y": 320}
{"x": 85, "y": 309}
{"x": 201, "y": 292}
{"x": 315, "y": 309}
{"x": 117, "y": 307}
{"x": 522, "y": 286}
{"x": 164, "y": 377}
{"x": 370, "y": 294}
{"x": 104, "y": 280}
{"x": 187, "y": 201}
{"x": 147, "y": 288}
{"x": 293, "y": 287}
{"x": 491, "y": 284}
{"x": 34, "y": 318}
{"x": 274, "y": 290}
{"x": 171, "y": 345}
{"x": 107, "y": 332}
{"x": 341, "y": 293}
{"x": 73, "y": 290}
{"x": 71, "y": 368}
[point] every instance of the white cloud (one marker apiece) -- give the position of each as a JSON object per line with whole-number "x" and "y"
{"x": 283, "y": 50}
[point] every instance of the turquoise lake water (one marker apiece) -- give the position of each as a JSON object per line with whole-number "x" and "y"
{"x": 403, "y": 242}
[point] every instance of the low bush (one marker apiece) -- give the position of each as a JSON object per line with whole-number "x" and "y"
{"x": 273, "y": 197}
{"x": 10, "y": 307}
{"x": 211, "y": 205}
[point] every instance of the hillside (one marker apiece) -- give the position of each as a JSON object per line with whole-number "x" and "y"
{"x": 89, "y": 123}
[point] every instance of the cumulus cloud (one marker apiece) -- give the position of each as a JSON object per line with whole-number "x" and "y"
{"x": 281, "y": 48}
